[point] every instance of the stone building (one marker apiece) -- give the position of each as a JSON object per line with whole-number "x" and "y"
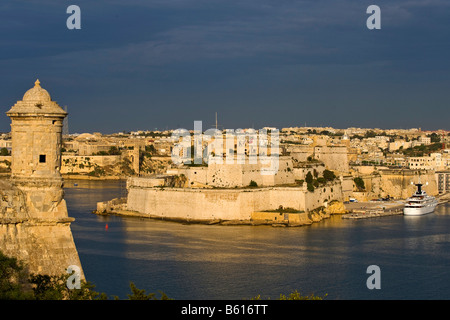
{"x": 34, "y": 222}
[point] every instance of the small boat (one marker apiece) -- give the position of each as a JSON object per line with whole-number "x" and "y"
{"x": 419, "y": 203}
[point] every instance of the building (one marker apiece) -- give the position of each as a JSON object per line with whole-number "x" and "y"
{"x": 34, "y": 222}
{"x": 435, "y": 161}
{"x": 443, "y": 181}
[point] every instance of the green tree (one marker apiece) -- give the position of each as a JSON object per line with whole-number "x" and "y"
{"x": 370, "y": 134}
{"x": 140, "y": 294}
{"x": 17, "y": 284}
{"x": 13, "y": 279}
{"x": 309, "y": 177}
{"x": 4, "y": 152}
{"x": 295, "y": 295}
{"x": 46, "y": 287}
{"x": 114, "y": 151}
{"x": 329, "y": 175}
{"x": 434, "y": 137}
{"x": 359, "y": 182}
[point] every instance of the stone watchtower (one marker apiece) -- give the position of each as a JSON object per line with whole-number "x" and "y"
{"x": 36, "y": 132}
{"x": 34, "y": 223}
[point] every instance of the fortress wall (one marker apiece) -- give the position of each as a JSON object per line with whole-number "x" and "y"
{"x": 302, "y": 170}
{"x": 301, "y": 152}
{"x": 230, "y": 175}
{"x": 397, "y": 183}
{"x": 347, "y": 186}
{"x": 45, "y": 247}
{"x": 331, "y": 191}
{"x": 178, "y": 203}
{"x": 42, "y": 240}
{"x": 196, "y": 174}
{"x": 285, "y": 173}
{"x": 206, "y": 204}
{"x": 85, "y": 164}
{"x": 225, "y": 204}
{"x": 334, "y": 157}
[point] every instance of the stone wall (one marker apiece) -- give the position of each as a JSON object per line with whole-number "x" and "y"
{"x": 43, "y": 241}
{"x": 225, "y": 204}
{"x": 334, "y": 157}
{"x": 395, "y": 183}
{"x": 46, "y": 247}
{"x": 85, "y": 164}
{"x": 301, "y": 169}
{"x": 34, "y": 142}
{"x": 231, "y": 175}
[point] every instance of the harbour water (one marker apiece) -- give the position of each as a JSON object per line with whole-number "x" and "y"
{"x": 191, "y": 261}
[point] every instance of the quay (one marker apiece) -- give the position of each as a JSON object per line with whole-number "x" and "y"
{"x": 372, "y": 213}
{"x": 375, "y": 209}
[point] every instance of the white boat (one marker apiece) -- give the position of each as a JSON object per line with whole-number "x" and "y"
{"x": 419, "y": 203}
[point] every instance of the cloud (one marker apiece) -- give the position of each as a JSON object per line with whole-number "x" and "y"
{"x": 236, "y": 52}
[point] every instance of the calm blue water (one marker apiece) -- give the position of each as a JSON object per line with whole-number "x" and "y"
{"x": 240, "y": 262}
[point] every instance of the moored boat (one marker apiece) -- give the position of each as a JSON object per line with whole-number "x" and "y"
{"x": 419, "y": 203}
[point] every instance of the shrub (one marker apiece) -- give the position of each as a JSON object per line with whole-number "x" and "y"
{"x": 309, "y": 177}
{"x": 329, "y": 175}
{"x": 253, "y": 184}
{"x": 321, "y": 180}
{"x": 359, "y": 182}
{"x": 4, "y": 152}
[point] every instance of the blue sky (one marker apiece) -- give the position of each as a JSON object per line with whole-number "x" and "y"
{"x": 143, "y": 64}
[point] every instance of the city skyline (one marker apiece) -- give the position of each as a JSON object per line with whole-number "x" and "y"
{"x": 143, "y": 65}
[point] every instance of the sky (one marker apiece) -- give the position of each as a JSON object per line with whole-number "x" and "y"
{"x": 163, "y": 64}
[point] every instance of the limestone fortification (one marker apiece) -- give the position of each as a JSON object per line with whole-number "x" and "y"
{"x": 223, "y": 204}
{"x": 34, "y": 222}
{"x": 223, "y": 192}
